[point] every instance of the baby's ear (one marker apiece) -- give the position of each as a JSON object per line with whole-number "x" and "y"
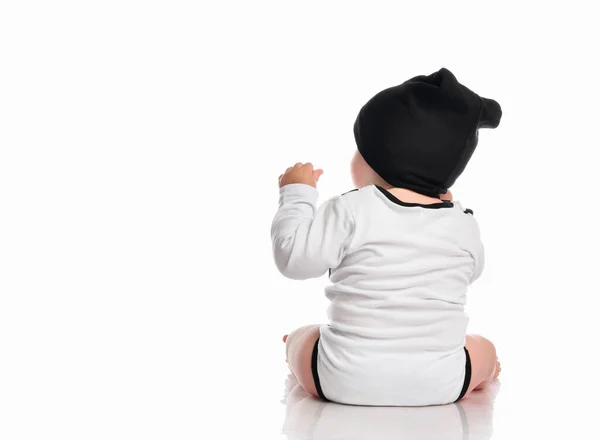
{"x": 447, "y": 196}
{"x": 490, "y": 114}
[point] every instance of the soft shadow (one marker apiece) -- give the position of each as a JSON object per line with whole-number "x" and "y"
{"x": 307, "y": 418}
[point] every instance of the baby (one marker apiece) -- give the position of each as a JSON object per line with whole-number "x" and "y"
{"x": 399, "y": 252}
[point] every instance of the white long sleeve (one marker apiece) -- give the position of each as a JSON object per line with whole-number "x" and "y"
{"x": 307, "y": 241}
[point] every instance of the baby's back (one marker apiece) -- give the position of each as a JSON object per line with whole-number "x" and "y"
{"x": 397, "y": 319}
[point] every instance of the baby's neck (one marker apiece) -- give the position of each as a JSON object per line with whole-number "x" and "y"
{"x": 408, "y": 196}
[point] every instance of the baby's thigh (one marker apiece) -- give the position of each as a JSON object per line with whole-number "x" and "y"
{"x": 299, "y": 348}
{"x": 483, "y": 360}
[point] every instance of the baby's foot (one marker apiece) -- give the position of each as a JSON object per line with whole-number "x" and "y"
{"x": 498, "y": 369}
{"x": 285, "y": 339}
{"x": 495, "y": 374}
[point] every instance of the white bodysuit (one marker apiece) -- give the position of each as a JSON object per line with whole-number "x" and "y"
{"x": 398, "y": 279}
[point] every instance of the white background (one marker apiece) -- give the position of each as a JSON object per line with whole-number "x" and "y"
{"x": 140, "y": 144}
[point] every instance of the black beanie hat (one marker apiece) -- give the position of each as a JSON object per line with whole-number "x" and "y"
{"x": 420, "y": 134}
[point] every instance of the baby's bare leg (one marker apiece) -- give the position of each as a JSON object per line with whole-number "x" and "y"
{"x": 484, "y": 362}
{"x": 299, "y": 346}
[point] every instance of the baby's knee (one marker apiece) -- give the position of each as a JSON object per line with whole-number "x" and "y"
{"x": 486, "y": 350}
{"x": 489, "y": 349}
{"x": 303, "y": 332}
{"x": 300, "y": 335}
{"x": 485, "y": 344}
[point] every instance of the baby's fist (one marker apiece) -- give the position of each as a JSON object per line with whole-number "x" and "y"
{"x": 300, "y": 173}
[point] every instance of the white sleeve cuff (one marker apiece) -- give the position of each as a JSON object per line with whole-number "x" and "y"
{"x": 295, "y": 192}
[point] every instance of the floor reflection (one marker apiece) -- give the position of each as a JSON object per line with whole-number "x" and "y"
{"x": 309, "y": 418}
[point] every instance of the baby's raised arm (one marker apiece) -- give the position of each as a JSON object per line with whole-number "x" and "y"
{"x": 308, "y": 241}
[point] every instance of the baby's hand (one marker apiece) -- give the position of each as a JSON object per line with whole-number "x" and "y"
{"x": 300, "y": 173}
